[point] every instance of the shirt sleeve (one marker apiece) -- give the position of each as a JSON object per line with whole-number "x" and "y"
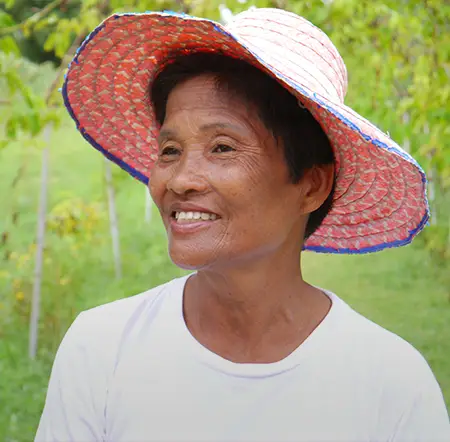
{"x": 426, "y": 419}
{"x": 74, "y": 406}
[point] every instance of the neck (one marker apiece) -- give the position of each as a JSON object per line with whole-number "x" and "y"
{"x": 246, "y": 303}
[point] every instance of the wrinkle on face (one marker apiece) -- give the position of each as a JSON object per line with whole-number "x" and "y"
{"x": 246, "y": 186}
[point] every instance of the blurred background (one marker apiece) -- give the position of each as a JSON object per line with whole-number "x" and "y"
{"x": 76, "y": 232}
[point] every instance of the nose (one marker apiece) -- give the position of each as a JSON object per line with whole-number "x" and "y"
{"x": 188, "y": 176}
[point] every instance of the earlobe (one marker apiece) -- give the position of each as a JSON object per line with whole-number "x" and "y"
{"x": 317, "y": 184}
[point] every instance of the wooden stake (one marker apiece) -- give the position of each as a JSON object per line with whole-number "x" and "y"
{"x": 148, "y": 206}
{"x": 40, "y": 243}
{"x": 113, "y": 220}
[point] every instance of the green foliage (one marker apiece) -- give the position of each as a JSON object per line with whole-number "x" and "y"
{"x": 33, "y": 23}
{"x": 6, "y": 20}
{"x": 24, "y": 110}
{"x": 9, "y": 46}
{"x": 7, "y": 43}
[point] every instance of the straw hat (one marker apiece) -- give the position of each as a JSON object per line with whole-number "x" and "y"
{"x": 380, "y": 199}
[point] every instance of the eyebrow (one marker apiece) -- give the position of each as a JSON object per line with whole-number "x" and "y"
{"x": 165, "y": 134}
{"x": 211, "y": 126}
{"x": 171, "y": 133}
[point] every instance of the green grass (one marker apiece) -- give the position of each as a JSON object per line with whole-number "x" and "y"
{"x": 403, "y": 290}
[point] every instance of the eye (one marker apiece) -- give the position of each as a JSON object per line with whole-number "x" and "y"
{"x": 221, "y": 148}
{"x": 169, "y": 151}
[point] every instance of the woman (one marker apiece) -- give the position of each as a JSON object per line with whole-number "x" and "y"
{"x": 253, "y": 157}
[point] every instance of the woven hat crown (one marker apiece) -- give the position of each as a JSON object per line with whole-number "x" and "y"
{"x": 296, "y": 48}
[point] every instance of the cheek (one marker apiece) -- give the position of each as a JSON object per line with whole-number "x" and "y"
{"x": 236, "y": 193}
{"x": 157, "y": 185}
{"x": 263, "y": 204}
{"x": 239, "y": 181}
{"x": 251, "y": 190}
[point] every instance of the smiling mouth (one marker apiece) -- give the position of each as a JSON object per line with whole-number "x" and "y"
{"x": 192, "y": 217}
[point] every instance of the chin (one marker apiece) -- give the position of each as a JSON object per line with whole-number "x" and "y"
{"x": 190, "y": 259}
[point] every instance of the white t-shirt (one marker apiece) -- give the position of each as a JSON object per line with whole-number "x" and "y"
{"x": 130, "y": 371}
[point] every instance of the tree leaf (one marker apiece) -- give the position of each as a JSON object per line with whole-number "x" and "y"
{"x": 6, "y": 20}
{"x": 9, "y": 46}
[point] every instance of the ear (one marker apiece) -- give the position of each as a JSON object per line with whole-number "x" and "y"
{"x": 316, "y": 186}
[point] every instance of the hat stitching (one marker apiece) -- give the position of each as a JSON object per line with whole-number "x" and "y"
{"x": 329, "y": 48}
{"x": 337, "y": 85}
{"x": 276, "y": 58}
{"x": 377, "y": 143}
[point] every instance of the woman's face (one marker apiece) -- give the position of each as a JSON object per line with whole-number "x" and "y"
{"x": 221, "y": 182}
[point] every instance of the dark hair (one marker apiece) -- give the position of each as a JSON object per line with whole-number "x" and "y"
{"x": 305, "y": 143}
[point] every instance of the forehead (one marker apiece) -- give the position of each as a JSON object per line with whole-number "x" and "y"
{"x": 198, "y": 106}
{"x": 202, "y": 92}
{"x": 198, "y": 102}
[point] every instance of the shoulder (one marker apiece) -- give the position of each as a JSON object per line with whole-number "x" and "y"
{"x": 387, "y": 366}
{"x": 393, "y": 376}
{"x": 100, "y": 331}
{"x": 85, "y": 364}
{"x": 392, "y": 358}
{"x": 114, "y": 317}
{"x": 363, "y": 333}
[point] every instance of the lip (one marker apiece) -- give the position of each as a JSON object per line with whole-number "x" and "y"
{"x": 193, "y": 226}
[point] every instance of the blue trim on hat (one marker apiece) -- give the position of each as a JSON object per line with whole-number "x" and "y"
{"x": 131, "y": 170}
{"x": 377, "y": 248}
{"x": 139, "y": 176}
{"x": 220, "y": 29}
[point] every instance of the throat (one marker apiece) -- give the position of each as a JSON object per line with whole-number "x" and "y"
{"x": 253, "y": 334}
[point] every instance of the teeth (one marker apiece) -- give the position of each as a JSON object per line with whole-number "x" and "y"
{"x": 188, "y": 216}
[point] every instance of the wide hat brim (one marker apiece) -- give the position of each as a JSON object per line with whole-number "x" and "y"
{"x": 380, "y": 198}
